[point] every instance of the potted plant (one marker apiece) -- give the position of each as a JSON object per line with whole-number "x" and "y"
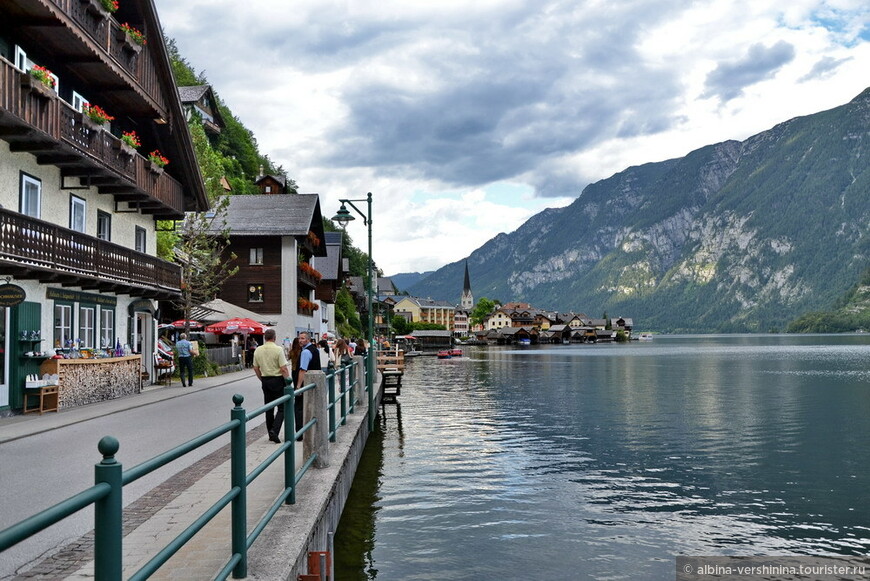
{"x": 129, "y": 143}
{"x": 95, "y": 116}
{"x": 101, "y": 8}
{"x": 39, "y": 80}
{"x": 133, "y": 38}
{"x": 156, "y": 161}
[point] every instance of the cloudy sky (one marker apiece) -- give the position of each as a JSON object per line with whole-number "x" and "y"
{"x": 465, "y": 118}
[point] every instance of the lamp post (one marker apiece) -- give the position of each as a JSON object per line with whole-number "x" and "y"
{"x": 343, "y": 216}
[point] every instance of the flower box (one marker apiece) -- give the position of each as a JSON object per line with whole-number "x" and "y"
{"x": 96, "y": 9}
{"x": 125, "y": 149}
{"x": 153, "y": 167}
{"x": 36, "y": 86}
{"x": 90, "y": 124}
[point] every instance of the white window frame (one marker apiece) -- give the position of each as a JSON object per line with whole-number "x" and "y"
{"x": 87, "y": 321}
{"x": 107, "y": 328}
{"x": 141, "y": 240}
{"x": 78, "y": 101}
{"x": 25, "y": 201}
{"x": 104, "y": 218}
{"x": 21, "y": 59}
{"x": 78, "y": 212}
{"x": 65, "y": 324}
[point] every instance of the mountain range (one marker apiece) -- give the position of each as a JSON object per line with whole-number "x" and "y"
{"x": 739, "y": 236}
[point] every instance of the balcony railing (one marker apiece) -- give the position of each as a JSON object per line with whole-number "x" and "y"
{"x": 36, "y": 249}
{"x": 107, "y": 33}
{"x": 46, "y": 126}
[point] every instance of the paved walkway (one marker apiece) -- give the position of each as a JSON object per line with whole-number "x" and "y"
{"x": 161, "y": 514}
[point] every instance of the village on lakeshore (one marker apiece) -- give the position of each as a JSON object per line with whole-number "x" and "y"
{"x": 515, "y": 323}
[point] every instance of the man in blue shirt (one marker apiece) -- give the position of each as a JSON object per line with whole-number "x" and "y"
{"x": 185, "y": 360}
{"x": 309, "y": 360}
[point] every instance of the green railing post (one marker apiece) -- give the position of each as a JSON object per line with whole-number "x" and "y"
{"x": 108, "y": 513}
{"x": 290, "y": 435}
{"x": 343, "y": 396}
{"x": 351, "y": 380}
{"x": 238, "y": 479}
{"x": 330, "y": 402}
{"x": 370, "y": 358}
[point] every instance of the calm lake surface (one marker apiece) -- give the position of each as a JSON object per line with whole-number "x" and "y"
{"x": 607, "y": 461}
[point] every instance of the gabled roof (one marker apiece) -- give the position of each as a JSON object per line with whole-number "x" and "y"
{"x": 276, "y": 215}
{"x": 192, "y": 95}
{"x": 329, "y": 265}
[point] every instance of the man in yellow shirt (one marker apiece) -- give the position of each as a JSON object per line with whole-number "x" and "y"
{"x": 270, "y": 365}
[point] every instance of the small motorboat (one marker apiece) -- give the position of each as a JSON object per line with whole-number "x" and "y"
{"x": 525, "y": 341}
{"x": 645, "y": 337}
{"x": 413, "y": 353}
{"x": 444, "y": 355}
{"x": 456, "y": 352}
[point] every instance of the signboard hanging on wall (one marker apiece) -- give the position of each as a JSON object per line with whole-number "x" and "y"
{"x": 11, "y": 295}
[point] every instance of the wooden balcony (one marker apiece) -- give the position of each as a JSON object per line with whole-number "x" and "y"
{"x": 40, "y": 123}
{"x": 306, "y": 278}
{"x": 38, "y": 250}
{"x": 96, "y": 48}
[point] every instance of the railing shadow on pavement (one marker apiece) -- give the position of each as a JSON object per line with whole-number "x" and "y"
{"x": 107, "y": 492}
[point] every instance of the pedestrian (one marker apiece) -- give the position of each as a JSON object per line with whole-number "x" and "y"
{"x": 341, "y": 354}
{"x": 270, "y": 365}
{"x": 250, "y": 346}
{"x": 185, "y": 359}
{"x": 361, "y": 348}
{"x": 309, "y": 360}
{"x": 351, "y": 346}
{"x": 293, "y": 358}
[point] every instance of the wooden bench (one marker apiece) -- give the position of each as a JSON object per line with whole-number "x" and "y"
{"x": 47, "y": 399}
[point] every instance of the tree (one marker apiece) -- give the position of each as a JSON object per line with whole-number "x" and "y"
{"x": 202, "y": 241}
{"x": 482, "y": 310}
{"x": 400, "y": 325}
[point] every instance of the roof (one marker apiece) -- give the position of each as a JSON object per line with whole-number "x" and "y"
{"x": 276, "y": 215}
{"x": 385, "y": 285}
{"x": 428, "y": 303}
{"x": 280, "y": 179}
{"x": 421, "y": 334}
{"x": 192, "y": 94}
{"x": 221, "y": 310}
{"x": 329, "y": 265}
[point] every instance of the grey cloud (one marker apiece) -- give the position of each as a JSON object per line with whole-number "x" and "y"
{"x": 728, "y": 80}
{"x": 509, "y": 107}
{"x": 823, "y": 68}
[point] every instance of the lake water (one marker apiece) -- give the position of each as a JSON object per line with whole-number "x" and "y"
{"x": 607, "y": 461}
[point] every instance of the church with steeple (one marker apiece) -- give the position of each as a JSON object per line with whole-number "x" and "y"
{"x": 467, "y": 300}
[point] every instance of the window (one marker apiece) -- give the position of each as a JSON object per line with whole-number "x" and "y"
{"x": 140, "y": 239}
{"x": 78, "y": 101}
{"x": 256, "y": 256}
{"x": 21, "y": 59}
{"x": 62, "y": 325}
{"x": 31, "y": 196}
{"x": 255, "y": 293}
{"x": 77, "y": 209}
{"x": 268, "y": 189}
{"x": 87, "y": 317}
{"x": 107, "y": 328}
{"x": 104, "y": 225}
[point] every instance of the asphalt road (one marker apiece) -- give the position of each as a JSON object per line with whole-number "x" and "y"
{"x": 40, "y": 470}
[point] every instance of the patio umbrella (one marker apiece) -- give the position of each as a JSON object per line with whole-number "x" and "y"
{"x": 237, "y": 325}
{"x": 179, "y": 324}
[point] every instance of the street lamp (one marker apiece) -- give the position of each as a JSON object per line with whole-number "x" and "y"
{"x": 343, "y": 216}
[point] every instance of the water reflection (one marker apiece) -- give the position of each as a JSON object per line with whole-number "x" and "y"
{"x": 603, "y": 462}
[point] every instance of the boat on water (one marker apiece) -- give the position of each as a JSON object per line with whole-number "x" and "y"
{"x": 456, "y": 352}
{"x": 413, "y": 353}
{"x": 525, "y": 341}
{"x": 444, "y": 354}
{"x": 645, "y": 337}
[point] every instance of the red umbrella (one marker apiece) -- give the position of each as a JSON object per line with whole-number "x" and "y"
{"x": 237, "y": 325}
{"x": 179, "y": 324}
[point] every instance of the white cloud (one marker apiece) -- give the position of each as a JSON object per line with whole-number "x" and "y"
{"x": 428, "y": 105}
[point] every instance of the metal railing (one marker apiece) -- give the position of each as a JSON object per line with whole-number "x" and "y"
{"x": 107, "y": 492}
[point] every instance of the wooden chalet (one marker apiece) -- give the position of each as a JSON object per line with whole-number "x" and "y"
{"x": 199, "y": 101}
{"x": 79, "y": 206}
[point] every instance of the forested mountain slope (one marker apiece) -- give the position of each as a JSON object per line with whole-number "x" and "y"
{"x": 736, "y": 236}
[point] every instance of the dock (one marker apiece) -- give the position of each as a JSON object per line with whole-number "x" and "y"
{"x": 391, "y": 366}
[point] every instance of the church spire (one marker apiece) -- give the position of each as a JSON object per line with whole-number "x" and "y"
{"x": 467, "y": 300}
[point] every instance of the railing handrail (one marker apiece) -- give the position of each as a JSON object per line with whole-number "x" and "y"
{"x": 111, "y": 478}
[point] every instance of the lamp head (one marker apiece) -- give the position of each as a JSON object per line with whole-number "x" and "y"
{"x": 343, "y": 216}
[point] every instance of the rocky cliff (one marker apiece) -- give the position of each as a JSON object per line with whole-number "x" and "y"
{"x": 737, "y": 236}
